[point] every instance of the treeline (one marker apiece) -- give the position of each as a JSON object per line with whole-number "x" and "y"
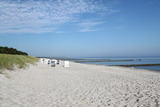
{"x": 6, "y": 50}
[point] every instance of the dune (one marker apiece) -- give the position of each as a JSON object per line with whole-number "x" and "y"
{"x": 80, "y": 85}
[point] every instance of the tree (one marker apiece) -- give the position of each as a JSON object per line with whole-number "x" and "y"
{"x": 6, "y": 50}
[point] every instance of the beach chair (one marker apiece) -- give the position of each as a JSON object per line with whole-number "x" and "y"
{"x": 66, "y": 63}
{"x": 53, "y": 63}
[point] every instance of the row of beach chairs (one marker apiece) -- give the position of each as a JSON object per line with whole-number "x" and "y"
{"x": 54, "y": 62}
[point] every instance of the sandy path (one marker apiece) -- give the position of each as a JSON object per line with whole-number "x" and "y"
{"x": 80, "y": 86}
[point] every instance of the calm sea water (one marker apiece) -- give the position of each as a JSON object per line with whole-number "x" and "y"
{"x": 123, "y": 61}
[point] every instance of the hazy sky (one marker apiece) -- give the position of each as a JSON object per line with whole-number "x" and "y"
{"x": 81, "y": 28}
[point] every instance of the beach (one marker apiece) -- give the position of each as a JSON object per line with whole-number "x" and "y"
{"x": 80, "y": 85}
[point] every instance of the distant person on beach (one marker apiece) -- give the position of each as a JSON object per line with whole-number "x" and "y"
{"x": 58, "y": 61}
{"x": 49, "y": 63}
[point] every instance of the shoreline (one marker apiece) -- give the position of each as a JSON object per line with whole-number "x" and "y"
{"x": 125, "y": 66}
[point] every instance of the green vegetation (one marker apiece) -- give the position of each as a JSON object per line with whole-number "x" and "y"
{"x": 1, "y": 71}
{"x": 9, "y": 62}
{"x": 6, "y": 50}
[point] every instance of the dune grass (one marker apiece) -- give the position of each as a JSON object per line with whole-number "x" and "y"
{"x": 9, "y": 62}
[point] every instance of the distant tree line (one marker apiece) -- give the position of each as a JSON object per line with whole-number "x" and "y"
{"x": 6, "y": 50}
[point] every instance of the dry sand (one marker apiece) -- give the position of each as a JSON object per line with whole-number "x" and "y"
{"x": 80, "y": 85}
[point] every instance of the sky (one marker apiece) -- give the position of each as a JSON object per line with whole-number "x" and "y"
{"x": 81, "y": 28}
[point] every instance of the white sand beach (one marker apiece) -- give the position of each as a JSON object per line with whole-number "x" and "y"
{"x": 80, "y": 85}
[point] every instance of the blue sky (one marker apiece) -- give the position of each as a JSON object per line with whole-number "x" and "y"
{"x": 81, "y": 28}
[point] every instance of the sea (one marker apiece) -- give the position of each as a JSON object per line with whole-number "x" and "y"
{"x": 135, "y": 62}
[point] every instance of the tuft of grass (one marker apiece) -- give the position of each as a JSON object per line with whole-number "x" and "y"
{"x": 20, "y": 61}
{"x": 1, "y": 72}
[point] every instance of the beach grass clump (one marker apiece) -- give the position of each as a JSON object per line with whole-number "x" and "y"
{"x": 10, "y": 62}
{"x": 1, "y": 71}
